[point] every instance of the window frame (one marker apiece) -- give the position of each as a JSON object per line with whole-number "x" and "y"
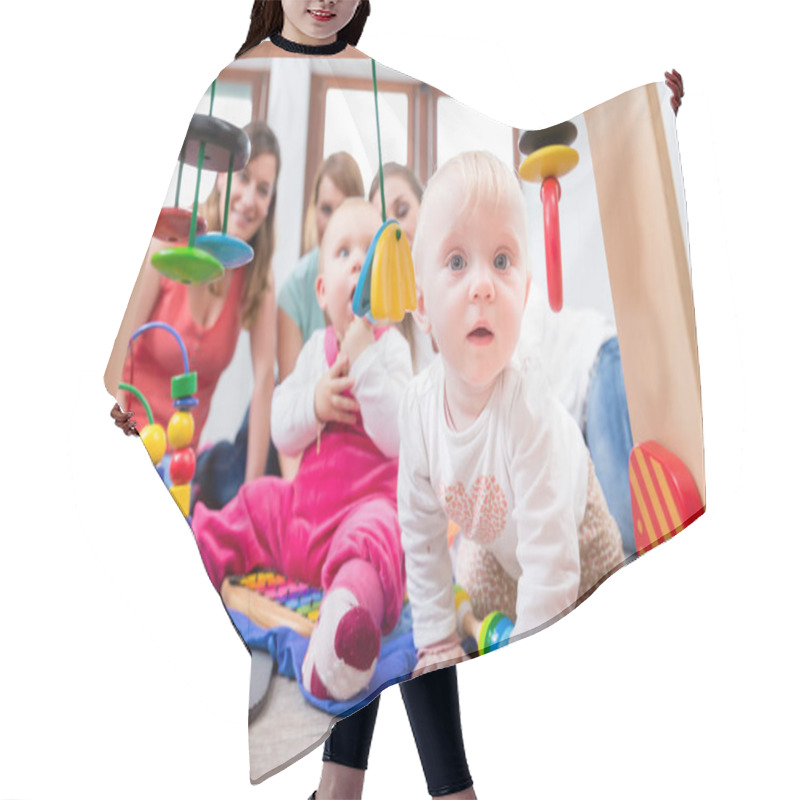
{"x": 423, "y": 124}
{"x": 259, "y": 82}
{"x": 320, "y": 85}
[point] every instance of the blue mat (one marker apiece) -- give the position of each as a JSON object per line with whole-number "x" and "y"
{"x": 288, "y": 648}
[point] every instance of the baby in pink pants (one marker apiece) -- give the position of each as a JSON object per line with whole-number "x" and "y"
{"x": 336, "y": 524}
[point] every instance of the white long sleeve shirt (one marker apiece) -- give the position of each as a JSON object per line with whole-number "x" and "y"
{"x": 381, "y": 374}
{"x": 515, "y": 481}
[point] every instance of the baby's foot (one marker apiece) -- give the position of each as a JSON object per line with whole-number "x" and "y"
{"x": 343, "y": 649}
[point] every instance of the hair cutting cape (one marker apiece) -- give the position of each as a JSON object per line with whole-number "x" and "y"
{"x": 608, "y": 333}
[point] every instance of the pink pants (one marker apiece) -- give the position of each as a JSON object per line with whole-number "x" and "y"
{"x": 341, "y": 506}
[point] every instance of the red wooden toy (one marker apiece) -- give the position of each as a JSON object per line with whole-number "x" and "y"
{"x": 664, "y": 496}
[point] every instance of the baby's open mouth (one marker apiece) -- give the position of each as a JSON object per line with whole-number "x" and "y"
{"x": 480, "y": 334}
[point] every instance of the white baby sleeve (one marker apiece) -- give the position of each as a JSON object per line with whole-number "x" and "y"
{"x": 424, "y": 533}
{"x": 542, "y": 475}
{"x": 382, "y": 373}
{"x": 294, "y": 423}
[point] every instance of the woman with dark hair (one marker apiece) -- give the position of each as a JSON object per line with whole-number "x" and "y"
{"x": 329, "y": 28}
{"x": 293, "y": 24}
{"x": 312, "y": 27}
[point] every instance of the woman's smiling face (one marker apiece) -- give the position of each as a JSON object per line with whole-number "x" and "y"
{"x": 316, "y": 21}
{"x": 252, "y": 191}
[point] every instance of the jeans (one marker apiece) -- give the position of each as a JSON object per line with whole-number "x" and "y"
{"x": 220, "y": 469}
{"x": 433, "y": 711}
{"x": 608, "y": 435}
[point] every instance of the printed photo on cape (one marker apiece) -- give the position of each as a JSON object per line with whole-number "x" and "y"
{"x": 423, "y": 534}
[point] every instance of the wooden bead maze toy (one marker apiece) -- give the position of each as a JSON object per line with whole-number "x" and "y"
{"x": 180, "y": 429}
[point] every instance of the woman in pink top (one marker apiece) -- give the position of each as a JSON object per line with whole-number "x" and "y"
{"x": 209, "y": 317}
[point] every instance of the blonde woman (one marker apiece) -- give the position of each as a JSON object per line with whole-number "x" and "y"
{"x": 210, "y": 317}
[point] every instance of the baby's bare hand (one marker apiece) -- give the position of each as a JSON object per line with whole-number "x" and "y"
{"x": 358, "y": 337}
{"x": 330, "y": 404}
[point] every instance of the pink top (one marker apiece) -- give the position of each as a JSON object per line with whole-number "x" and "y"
{"x": 157, "y": 356}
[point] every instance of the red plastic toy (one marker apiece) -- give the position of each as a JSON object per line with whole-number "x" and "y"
{"x": 664, "y": 496}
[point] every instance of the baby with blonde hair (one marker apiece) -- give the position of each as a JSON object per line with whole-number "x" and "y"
{"x": 483, "y": 443}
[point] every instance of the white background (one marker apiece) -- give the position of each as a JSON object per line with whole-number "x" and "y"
{"x": 120, "y": 676}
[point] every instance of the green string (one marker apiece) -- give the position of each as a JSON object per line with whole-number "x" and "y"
{"x": 213, "y": 91}
{"x": 378, "y": 126}
{"x": 228, "y": 194}
{"x": 126, "y": 387}
{"x": 200, "y": 159}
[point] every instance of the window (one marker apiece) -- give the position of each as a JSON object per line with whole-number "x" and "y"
{"x": 350, "y": 126}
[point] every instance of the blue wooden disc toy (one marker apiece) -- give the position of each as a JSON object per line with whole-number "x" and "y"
{"x": 228, "y": 250}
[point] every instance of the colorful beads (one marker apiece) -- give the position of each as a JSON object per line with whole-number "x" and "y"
{"x": 180, "y": 430}
{"x": 181, "y": 466}
{"x": 183, "y": 385}
{"x": 155, "y": 442}
{"x": 182, "y": 495}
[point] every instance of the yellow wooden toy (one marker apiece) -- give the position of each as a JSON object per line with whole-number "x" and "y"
{"x": 182, "y": 495}
{"x": 392, "y": 290}
{"x": 552, "y": 161}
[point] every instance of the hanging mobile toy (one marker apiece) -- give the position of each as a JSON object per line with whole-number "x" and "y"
{"x": 388, "y": 270}
{"x": 180, "y": 430}
{"x": 217, "y": 145}
{"x": 549, "y": 157}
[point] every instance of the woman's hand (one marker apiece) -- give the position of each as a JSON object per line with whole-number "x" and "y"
{"x": 330, "y": 405}
{"x": 358, "y": 337}
{"x": 447, "y": 650}
{"x": 124, "y": 420}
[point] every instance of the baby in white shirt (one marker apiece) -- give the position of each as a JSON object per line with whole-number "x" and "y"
{"x": 483, "y": 442}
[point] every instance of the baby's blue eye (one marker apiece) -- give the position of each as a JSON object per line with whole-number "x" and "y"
{"x": 343, "y": 253}
{"x": 501, "y": 262}
{"x": 456, "y": 263}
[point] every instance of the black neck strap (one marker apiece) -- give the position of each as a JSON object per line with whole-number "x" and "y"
{"x": 309, "y": 49}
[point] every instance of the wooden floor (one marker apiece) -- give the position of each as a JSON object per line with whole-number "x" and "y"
{"x": 286, "y": 729}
